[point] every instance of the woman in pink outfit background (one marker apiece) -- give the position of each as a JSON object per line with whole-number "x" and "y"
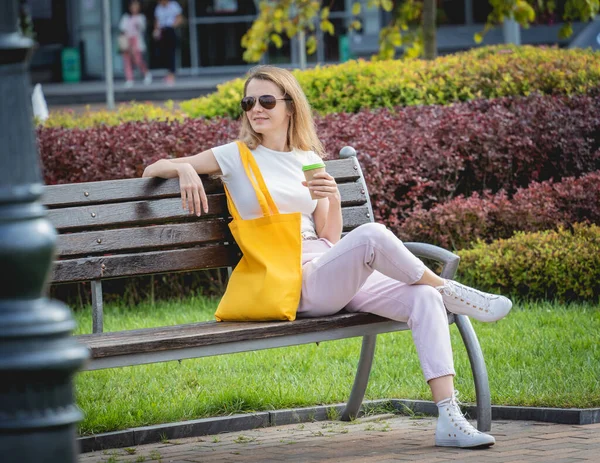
{"x": 133, "y": 26}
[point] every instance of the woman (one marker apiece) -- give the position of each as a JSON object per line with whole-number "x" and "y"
{"x": 132, "y": 27}
{"x": 370, "y": 270}
{"x": 167, "y": 17}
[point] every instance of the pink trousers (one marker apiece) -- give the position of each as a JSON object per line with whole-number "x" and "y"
{"x": 133, "y": 54}
{"x": 371, "y": 270}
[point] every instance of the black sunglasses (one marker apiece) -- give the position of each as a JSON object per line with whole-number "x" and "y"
{"x": 266, "y": 101}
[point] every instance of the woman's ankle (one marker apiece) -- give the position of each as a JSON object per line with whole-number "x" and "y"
{"x": 431, "y": 279}
{"x": 442, "y": 388}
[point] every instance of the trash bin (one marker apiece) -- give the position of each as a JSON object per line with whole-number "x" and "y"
{"x": 344, "y": 48}
{"x": 71, "y": 65}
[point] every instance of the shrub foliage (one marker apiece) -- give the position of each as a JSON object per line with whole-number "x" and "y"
{"x": 414, "y": 157}
{"x": 541, "y": 206}
{"x": 488, "y": 72}
{"x": 126, "y": 112}
{"x": 559, "y": 264}
{"x": 123, "y": 151}
{"x": 421, "y": 157}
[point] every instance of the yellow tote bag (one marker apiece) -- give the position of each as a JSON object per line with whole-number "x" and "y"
{"x": 266, "y": 283}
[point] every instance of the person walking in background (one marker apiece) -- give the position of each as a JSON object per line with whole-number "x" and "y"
{"x": 167, "y": 17}
{"x": 132, "y": 44}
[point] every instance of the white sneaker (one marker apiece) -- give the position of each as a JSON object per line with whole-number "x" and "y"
{"x": 453, "y": 429}
{"x": 464, "y": 300}
{"x": 128, "y": 83}
{"x": 147, "y": 79}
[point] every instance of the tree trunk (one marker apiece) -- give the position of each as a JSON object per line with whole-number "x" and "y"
{"x": 429, "y": 30}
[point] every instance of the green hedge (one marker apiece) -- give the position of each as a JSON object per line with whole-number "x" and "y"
{"x": 129, "y": 112}
{"x": 486, "y": 72}
{"x": 563, "y": 264}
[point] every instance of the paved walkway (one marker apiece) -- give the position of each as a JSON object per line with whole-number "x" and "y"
{"x": 185, "y": 87}
{"x": 383, "y": 438}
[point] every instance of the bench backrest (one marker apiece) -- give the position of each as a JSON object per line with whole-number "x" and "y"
{"x": 134, "y": 227}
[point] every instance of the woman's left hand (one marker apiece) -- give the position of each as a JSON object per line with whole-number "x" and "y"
{"x": 323, "y": 185}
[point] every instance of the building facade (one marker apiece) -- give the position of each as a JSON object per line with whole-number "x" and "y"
{"x": 209, "y": 40}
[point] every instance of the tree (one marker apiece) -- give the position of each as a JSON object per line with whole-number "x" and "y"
{"x": 429, "y": 29}
{"x": 412, "y": 22}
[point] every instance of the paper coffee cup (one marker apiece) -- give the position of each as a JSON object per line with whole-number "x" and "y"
{"x": 309, "y": 172}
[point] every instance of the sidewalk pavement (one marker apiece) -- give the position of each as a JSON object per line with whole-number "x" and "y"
{"x": 94, "y": 92}
{"x": 380, "y": 438}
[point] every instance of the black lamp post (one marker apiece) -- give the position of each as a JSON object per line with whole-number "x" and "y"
{"x": 38, "y": 357}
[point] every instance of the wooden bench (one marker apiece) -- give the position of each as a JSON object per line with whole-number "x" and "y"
{"x": 125, "y": 228}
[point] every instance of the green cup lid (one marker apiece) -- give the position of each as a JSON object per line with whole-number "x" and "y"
{"x": 313, "y": 166}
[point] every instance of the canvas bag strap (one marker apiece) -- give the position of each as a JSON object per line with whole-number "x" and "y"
{"x": 263, "y": 200}
{"x": 231, "y": 206}
{"x": 263, "y": 196}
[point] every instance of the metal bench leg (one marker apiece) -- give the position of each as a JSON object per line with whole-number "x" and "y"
{"x": 482, "y": 387}
{"x": 97, "y": 307}
{"x": 362, "y": 378}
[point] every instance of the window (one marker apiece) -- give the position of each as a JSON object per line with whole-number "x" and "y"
{"x": 225, "y": 7}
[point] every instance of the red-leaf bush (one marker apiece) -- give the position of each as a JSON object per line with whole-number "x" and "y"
{"x": 422, "y": 156}
{"x": 123, "y": 151}
{"x": 415, "y": 156}
{"x": 543, "y": 205}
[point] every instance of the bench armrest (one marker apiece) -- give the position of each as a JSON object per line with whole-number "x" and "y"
{"x": 443, "y": 256}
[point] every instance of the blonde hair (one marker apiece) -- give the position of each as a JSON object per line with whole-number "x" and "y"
{"x": 302, "y": 133}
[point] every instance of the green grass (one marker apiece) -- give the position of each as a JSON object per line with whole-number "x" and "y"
{"x": 542, "y": 354}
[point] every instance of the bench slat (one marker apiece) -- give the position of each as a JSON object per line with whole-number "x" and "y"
{"x": 145, "y": 263}
{"x": 353, "y": 194}
{"x": 147, "y": 188}
{"x": 159, "y": 210}
{"x": 141, "y": 238}
{"x": 110, "y": 191}
{"x": 355, "y": 216}
{"x": 122, "y": 265}
{"x": 131, "y": 213}
{"x": 343, "y": 170}
{"x": 211, "y": 333}
{"x": 249, "y": 346}
{"x": 160, "y": 236}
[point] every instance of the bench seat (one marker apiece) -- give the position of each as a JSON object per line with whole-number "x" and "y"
{"x": 177, "y": 342}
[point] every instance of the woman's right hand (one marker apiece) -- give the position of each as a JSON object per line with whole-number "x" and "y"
{"x": 192, "y": 190}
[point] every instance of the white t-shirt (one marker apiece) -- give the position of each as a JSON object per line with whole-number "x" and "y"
{"x": 134, "y": 26}
{"x": 282, "y": 172}
{"x": 165, "y": 15}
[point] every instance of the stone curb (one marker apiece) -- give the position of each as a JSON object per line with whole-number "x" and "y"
{"x": 216, "y": 425}
{"x": 244, "y": 422}
{"x": 505, "y": 412}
